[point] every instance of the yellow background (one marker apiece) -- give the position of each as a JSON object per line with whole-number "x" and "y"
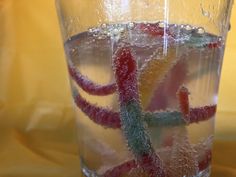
{"x": 37, "y": 137}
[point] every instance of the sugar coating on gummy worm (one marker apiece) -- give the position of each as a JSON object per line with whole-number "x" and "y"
{"x": 182, "y": 95}
{"x": 202, "y": 113}
{"x": 151, "y": 29}
{"x": 125, "y": 69}
{"x": 111, "y": 119}
{"x": 89, "y": 86}
{"x": 101, "y": 116}
{"x": 175, "y": 118}
{"x": 152, "y": 74}
{"x": 193, "y": 115}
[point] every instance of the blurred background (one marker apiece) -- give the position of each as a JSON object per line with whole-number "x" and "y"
{"x": 37, "y": 130}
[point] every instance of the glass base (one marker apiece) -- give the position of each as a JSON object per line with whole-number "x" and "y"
{"x": 90, "y": 173}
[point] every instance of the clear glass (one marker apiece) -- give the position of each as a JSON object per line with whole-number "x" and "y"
{"x": 144, "y": 77}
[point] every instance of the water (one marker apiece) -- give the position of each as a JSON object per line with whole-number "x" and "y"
{"x": 178, "y": 125}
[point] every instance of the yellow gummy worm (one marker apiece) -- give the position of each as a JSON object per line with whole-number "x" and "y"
{"x": 153, "y": 72}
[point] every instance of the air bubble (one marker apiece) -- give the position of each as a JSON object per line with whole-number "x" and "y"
{"x": 90, "y": 30}
{"x": 188, "y": 27}
{"x": 182, "y": 26}
{"x": 200, "y": 30}
{"x": 100, "y": 37}
{"x": 121, "y": 30}
{"x": 115, "y": 31}
{"x": 104, "y": 25}
{"x": 206, "y": 13}
{"x": 131, "y": 25}
{"x": 162, "y": 24}
{"x": 105, "y": 32}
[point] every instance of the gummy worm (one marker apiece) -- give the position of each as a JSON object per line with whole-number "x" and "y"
{"x": 125, "y": 69}
{"x": 158, "y": 69}
{"x": 111, "y": 119}
{"x": 101, "y": 116}
{"x": 88, "y": 85}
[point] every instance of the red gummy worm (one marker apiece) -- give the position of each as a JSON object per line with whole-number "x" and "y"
{"x": 213, "y": 45}
{"x": 201, "y": 114}
{"x": 101, "y": 116}
{"x": 184, "y": 101}
{"x": 152, "y": 164}
{"x": 152, "y": 29}
{"x": 88, "y": 85}
{"x": 194, "y": 115}
{"x": 206, "y": 161}
{"x": 126, "y": 74}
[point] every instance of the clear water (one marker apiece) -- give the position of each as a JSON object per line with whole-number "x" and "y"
{"x": 194, "y": 61}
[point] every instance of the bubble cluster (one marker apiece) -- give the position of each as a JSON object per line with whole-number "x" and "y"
{"x": 152, "y": 34}
{"x": 108, "y": 31}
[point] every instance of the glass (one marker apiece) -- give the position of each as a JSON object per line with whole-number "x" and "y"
{"x": 144, "y": 77}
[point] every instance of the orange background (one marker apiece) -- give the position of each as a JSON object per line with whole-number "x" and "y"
{"x": 37, "y": 132}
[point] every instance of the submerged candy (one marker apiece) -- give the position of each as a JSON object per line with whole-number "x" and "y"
{"x": 182, "y": 95}
{"x": 88, "y": 85}
{"x": 152, "y": 74}
{"x": 132, "y": 120}
{"x": 101, "y": 116}
{"x": 129, "y": 167}
{"x": 125, "y": 69}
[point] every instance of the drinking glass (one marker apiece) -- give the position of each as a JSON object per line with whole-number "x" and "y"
{"x": 144, "y": 78}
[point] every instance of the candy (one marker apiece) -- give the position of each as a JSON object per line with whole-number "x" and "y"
{"x": 156, "y": 74}
{"x": 165, "y": 92}
{"x": 153, "y": 73}
{"x": 125, "y": 69}
{"x": 205, "y": 162}
{"x": 151, "y": 29}
{"x": 111, "y": 119}
{"x": 182, "y": 161}
{"x": 182, "y": 95}
{"x": 88, "y": 85}
{"x": 175, "y": 118}
{"x": 202, "y": 113}
{"x": 101, "y": 116}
